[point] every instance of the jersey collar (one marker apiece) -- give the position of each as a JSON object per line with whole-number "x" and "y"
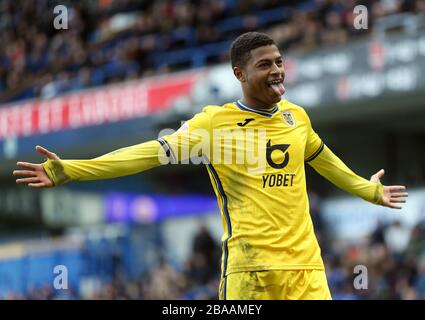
{"x": 268, "y": 113}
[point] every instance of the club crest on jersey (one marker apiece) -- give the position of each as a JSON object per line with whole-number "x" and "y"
{"x": 288, "y": 118}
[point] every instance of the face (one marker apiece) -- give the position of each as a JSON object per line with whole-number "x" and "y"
{"x": 262, "y": 77}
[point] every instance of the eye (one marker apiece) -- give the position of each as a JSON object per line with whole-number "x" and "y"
{"x": 279, "y": 62}
{"x": 263, "y": 65}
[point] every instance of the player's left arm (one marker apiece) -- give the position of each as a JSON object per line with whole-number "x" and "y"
{"x": 327, "y": 164}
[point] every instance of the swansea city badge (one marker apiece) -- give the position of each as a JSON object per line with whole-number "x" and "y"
{"x": 288, "y": 118}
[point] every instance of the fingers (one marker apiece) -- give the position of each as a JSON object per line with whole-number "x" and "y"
{"x": 24, "y": 173}
{"x": 380, "y": 173}
{"x": 396, "y": 188}
{"x": 48, "y": 154}
{"x": 399, "y": 195}
{"x": 29, "y": 176}
{"x": 401, "y": 200}
{"x": 377, "y": 176}
{"x": 391, "y": 205}
{"x": 37, "y": 185}
{"x": 394, "y": 195}
{"x": 28, "y": 180}
{"x": 27, "y": 165}
{"x": 43, "y": 151}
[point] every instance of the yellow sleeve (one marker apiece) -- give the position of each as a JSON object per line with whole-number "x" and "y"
{"x": 314, "y": 145}
{"x": 327, "y": 164}
{"x": 122, "y": 162}
{"x": 192, "y": 140}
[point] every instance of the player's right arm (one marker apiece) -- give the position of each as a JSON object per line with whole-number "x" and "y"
{"x": 122, "y": 162}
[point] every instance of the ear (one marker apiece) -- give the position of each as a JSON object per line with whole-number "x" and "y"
{"x": 239, "y": 74}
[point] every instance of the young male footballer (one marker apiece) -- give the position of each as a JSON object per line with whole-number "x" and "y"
{"x": 255, "y": 150}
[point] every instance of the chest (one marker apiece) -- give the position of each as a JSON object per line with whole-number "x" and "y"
{"x": 278, "y": 141}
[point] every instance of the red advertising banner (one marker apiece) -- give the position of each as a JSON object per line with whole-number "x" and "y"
{"x": 94, "y": 107}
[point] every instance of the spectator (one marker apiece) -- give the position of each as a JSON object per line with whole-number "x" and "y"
{"x": 118, "y": 40}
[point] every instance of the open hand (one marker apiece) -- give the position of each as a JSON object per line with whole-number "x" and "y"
{"x": 392, "y": 194}
{"x": 33, "y": 174}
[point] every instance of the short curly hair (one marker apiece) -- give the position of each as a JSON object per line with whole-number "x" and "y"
{"x": 241, "y": 47}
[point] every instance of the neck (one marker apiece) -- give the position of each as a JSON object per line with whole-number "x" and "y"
{"x": 256, "y": 104}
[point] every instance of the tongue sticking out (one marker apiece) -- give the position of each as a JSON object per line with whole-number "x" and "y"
{"x": 279, "y": 89}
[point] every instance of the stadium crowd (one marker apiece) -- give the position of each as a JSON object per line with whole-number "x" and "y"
{"x": 393, "y": 254}
{"x": 109, "y": 41}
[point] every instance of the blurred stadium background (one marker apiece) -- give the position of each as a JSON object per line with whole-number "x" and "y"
{"x": 126, "y": 69}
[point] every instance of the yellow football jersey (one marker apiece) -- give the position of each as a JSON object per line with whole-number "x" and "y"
{"x": 256, "y": 162}
{"x": 265, "y": 212}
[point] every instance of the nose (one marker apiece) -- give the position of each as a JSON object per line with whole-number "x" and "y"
{"x": 276, "y": 69}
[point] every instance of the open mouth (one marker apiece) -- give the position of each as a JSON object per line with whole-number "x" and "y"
{"x": 277, "y": 86}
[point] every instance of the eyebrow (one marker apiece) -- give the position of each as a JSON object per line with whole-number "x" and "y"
{"x": 268, "y": 60}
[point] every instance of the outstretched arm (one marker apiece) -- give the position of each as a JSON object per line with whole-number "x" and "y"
{"x": 122, "y": 162}
{"x": 327, "y": 164}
